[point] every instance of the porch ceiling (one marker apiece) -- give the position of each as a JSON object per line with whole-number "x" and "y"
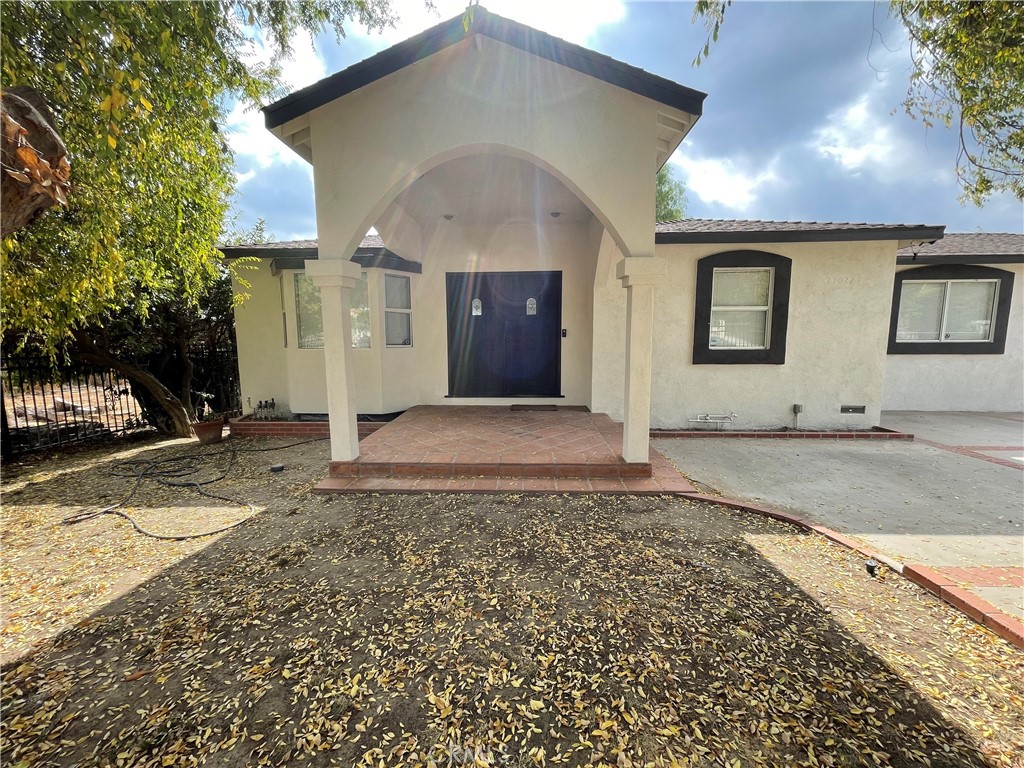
{"x": 488, "y": 190}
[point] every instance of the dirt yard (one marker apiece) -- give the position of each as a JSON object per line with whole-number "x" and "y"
{"x": 466, "y": 630}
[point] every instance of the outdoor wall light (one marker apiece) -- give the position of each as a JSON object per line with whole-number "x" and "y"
{"x": 447, "y": 216}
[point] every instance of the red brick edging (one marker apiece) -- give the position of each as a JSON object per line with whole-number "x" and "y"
{"x": 1003, "y": 624}
{"x": 973, "y": 452}
{"x": 876, "y": 433}
{"x": 1006, "y": 626}
{"x": 242, "y": 427}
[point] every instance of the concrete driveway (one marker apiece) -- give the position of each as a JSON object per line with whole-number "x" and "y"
{"x": 952, "y": 499}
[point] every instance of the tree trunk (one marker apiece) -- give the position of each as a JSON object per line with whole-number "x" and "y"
{"x": 177, "y": 423}
{"x": 186, "y": 380}
{"x": 35, "y": 168}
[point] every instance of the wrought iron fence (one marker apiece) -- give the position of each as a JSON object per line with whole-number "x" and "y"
{"x": 215, "y": 378}
{"x": 46, "y": 406}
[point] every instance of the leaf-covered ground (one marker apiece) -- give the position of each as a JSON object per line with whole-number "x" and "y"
{"x": 461, "y": 630}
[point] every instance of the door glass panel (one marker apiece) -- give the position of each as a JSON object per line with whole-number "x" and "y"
{"x": 969, "y": 314}
{"x": 920, "y": 315}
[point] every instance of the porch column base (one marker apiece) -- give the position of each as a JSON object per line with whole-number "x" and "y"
{"x": 639, "y": 275}
{"x": 336, "y": 277}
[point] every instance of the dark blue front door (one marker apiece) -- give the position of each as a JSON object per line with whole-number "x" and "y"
{"x": 504, "y": 334}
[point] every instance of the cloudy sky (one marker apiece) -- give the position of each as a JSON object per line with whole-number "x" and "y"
{"x": 802, "y": 121}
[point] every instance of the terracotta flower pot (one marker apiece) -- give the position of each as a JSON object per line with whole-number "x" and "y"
{"x": 209, "y": 431}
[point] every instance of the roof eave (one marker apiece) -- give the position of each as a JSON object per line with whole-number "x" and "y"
{"x": 903, "y": 235}
{"x": 512, "y": 33}
{"x": 238, "y": 252}
{"x": 961, "y": 258}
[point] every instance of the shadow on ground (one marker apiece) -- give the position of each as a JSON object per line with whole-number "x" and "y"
{"x": 392, "y": 630}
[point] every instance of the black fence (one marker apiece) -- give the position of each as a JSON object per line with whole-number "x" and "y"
{"x": 47, "y": 406}
{"x": 215, "y": 379}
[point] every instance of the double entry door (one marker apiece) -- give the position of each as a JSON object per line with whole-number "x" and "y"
{"x": 504, "y": 334}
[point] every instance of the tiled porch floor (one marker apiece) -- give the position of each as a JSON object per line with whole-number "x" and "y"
{"x": 491, "y": 448}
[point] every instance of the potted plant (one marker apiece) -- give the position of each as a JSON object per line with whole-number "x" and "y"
{"x": 208, "y": 424}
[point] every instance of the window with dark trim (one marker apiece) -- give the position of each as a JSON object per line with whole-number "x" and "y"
{"x": 741, "y": 311}
{"x": 950, "y": 309}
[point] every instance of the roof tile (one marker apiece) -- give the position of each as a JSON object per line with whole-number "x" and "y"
{"x": 972, "y": 244}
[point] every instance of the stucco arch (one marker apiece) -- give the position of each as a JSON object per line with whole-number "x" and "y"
{"x": 394, "y": 186}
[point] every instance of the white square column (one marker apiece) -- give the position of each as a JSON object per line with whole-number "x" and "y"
{"x": 639, "y": 276}
{"x": 336, "y": 278}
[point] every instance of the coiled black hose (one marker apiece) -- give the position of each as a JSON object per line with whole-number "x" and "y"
{"x": 170, "y": 472}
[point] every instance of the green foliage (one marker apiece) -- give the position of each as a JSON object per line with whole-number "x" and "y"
{"x": 137, "y": 90}
{"x": 671, "y": 196}
{"x": 713, "y": 13}
{"x": 967, "y": 70}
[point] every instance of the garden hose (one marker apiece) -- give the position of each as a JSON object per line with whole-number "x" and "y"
{"x": 170, "y": 472}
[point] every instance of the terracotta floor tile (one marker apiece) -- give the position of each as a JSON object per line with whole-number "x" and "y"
{"x": 487, "y": 448}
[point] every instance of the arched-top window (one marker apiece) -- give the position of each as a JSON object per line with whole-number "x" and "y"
{"x": 950, "y": 309}
{"x": 742, "y": 308}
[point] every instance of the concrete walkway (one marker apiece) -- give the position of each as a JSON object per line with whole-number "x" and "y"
{"x": 952, "y": 500}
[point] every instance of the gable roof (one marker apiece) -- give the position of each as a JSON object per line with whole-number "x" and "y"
{"x": 967, "y": 248}
{"x": 485, "y": 23}
{"x": 756, "y": 231}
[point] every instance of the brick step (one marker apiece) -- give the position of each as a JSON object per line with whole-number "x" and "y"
{"x": 359, "y": 468}
{"x": 641, "y": 486}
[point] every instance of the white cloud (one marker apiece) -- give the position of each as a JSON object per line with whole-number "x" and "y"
{"x": 721, "y": 180}
{"x": 254, "y": 146}
{"x": 572, "y": 20}
{"x": 855, "y": 138}
{"x": 864, "y": 137}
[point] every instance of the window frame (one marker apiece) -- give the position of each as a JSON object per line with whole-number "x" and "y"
{"x": 296, "y": 290}
{"x": 396, "y": 310}
{"x": 766, "y": 308}
{"x": 949, "y": 273}
{"x": 364, "y": 277}
{"x": 777, "y": 323}
{"x": 300, "y": 275}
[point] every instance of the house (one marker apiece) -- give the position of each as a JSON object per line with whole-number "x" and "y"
{"x": 956, "y": 333}
{"x": 510, "y": 176}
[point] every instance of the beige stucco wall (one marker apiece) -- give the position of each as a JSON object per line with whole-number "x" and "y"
{"x": 293, "y": 377}
{"x": 259, "y": 327}
{"x": 391, "y": 379}
{"x": 963, "y": 382}
{"x": 422, "y": 376}
{"x": 838, "y": 326}
{"x": 598, "y": 139}
{"x": 835, "y": 353}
